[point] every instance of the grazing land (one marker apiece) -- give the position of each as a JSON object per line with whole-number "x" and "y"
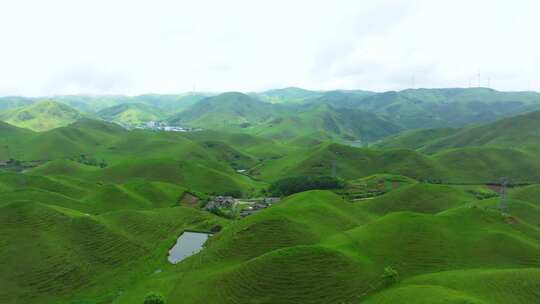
{"x": 417, "y": 196}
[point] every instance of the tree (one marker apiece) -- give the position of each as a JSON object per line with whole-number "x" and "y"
{"x": 390, "y": 275}
{"x": 154, "y": 298}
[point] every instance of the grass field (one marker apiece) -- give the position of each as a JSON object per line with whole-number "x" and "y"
{"x": 278, "y": 255}
{"x": 93, "y": 222}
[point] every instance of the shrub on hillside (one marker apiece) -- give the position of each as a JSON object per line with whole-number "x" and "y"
{"x": 154, "y": 298}
{"x": 390, "y": 276}
{"x": 291, "y": 185}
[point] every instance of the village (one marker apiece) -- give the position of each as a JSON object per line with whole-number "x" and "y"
{"x": 245, "y": 207}
{"x": 161, "y": 126}
{"x": 18, "y": 165}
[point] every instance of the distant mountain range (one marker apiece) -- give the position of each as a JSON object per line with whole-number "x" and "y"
{"x": 285, "y": 114}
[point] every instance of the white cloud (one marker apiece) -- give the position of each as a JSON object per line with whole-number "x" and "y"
{"x": 122, "y": 46}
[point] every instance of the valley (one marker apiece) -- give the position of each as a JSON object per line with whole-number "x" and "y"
{"x": 275, "y": 203}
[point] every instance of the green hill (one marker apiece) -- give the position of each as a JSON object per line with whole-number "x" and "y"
{"x": 50, "y": 254}
{"x": 94, "y": 221}
{"x": 203, "y": 165}
{"x": 349, "y": 99}
{"x": 324, "y": 122}
{"x": 9, "y": 130}
{"x": 415, "y": 139}
{"x": 317, "y": 239}
{"x": 287, "y": 95}
{"x": 520, "y": 131}
{"x": 226, "y": 111}
{"x": 466, "y": 165}
{"x": 435, "y": 108}
{"x": 95, "y": 103}
{"x": 41, "y": 116}
{"x": 131, "y": 114}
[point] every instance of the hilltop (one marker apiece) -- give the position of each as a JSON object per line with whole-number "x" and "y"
{"x": 408, "y": 109}
{"x": 131, "y": 114}
{"x": 435, "y": 108}
{"x": 287, "y": 95}
{"x": 41, "y": 116}
{"x": 226, "y": 111}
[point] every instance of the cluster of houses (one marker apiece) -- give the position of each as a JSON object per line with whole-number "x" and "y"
{"x": 259, "y": 205}
{"x": 18, "y": 166}
{"x": 252, "y": 205}
{"x": 220, "y": 202}
{"x": 161, "y": 126}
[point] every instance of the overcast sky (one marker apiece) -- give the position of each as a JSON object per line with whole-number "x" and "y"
{"x": 132, "y": 47}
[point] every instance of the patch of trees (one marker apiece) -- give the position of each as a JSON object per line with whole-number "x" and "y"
{"x": 154, "y": 298}
{"x": 90, "y": 161}
{"x": 291, "y": 185}
{"x": 231, "y": 193}
{"x": 14, "y": 162}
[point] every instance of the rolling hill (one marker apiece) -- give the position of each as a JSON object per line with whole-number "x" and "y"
{"x": 51, "y": 254}
{"x": 287, "y": 95}
{"x": 227, "y": 111}
{"x": 324, "y": 122}
{"x": 91, "y": 104}
{"x": 94, "y": 221}
{"x": 241, "y": 113}
{"x": 41, "y": 116}
{"x": 436, "y": 108}
{"x": 7, "y": 130}
{"x": 317, "y": 239}
{"x": 131, "y": 114}
{"x": 522, "y": 131}
{"x": 199, "y": 164}
{"x": 465, "y": 165}
{"x": 415, "y": 139}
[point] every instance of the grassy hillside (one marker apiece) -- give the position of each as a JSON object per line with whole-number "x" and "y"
{"x": 94, "y": 221}
{"x": 287, "y": 95}
{"x": 51, "y": 253}
{"x": 521, "y": 131}
{"x": 131, "y": 114}
{"x": 225, "y": 111}
{"x": 435, "y": 108}
{"x": 415, "y": 139}
{"x": 242, "y": 113}
{"x": 95, "y": 103}
{"x": 41, "y": 116}
{"x": 466, "y": 165}
{"x": 203, "y": 165}
{"x": 316, "y": 238}
{"x": 324, "y": 122}
{"x": 8, "y": 135}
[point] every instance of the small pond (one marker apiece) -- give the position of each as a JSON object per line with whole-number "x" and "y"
{"x": 188, "y": 244}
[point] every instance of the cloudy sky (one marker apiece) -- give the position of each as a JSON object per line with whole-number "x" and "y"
{"x": 165, "y": 46}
